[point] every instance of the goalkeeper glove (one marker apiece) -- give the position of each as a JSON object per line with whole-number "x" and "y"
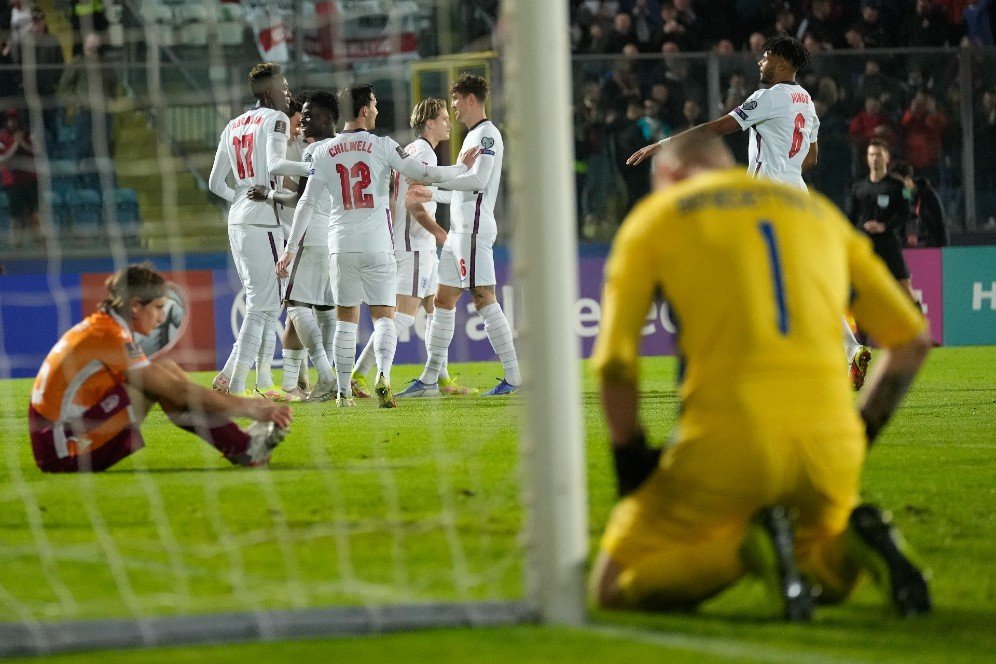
{"x": 634, "y": 462}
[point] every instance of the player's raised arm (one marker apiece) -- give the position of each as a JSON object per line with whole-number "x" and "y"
{"x": 217, "y": 181}
{"x": 276, "y": 150}
{"x": 422, "y": 172}
{"x": 718, "y": 127}
{"x": 475, "y": 179}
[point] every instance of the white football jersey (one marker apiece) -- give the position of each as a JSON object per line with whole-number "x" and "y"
{"x": 289, "y": 183}
{"x": 317, "y": 234}
{"x": 354, "y": 168}
{"x": 472, "y": 209}
{"x": 409, "y": 235}
{"x": 782, "y": 122}
{"x": 244, "y": 141}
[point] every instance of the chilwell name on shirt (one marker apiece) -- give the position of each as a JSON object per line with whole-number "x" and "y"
{"x": 351, "y": 146}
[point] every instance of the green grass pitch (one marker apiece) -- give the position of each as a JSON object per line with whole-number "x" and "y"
{"x": 422, "y": 503}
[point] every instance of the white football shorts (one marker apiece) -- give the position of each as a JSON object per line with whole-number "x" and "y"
{"x": 418, "y": 273}
{"x": 256, "y": 250}
{"x": 467, "y": 261}
{"x": 363, "y": 276}
{"x": 310, "y": 281}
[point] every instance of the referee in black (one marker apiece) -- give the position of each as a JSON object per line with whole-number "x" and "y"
{"x": 879, "y": 208}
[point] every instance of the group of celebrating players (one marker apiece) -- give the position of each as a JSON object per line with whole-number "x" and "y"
{"x": 332, "y": 240}
{"x": 763, "y": 473}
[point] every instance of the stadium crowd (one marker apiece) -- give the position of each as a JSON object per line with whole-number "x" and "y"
{"x": 638, "y": 79}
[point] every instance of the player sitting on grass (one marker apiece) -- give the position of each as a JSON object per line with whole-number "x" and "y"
{"x": 96, "y": 386}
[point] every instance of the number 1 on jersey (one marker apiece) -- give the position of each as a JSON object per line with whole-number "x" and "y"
{"x": 775, "y": 261}
{"x": 243, "y": 155}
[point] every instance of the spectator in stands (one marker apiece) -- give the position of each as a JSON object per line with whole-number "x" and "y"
{"x": 90, "y": 88}
{"x": 646, "y": 19}
{"x": 927, "y": 227}
{"x": 979, "y": 23}
{"x": 869, "y": 124}
{"x": 650, "y": 122}
{"x": 18, "y": 175}
{"x": 784, "y": 23}
{"x": 923, "y": 135}
{"x": 668, "y": 110}
{"x": 20, "y": 19}
{"x": 691, "y": 21}
{"x": 821, "y": 24}
{"x": 628, "y": 137}
{"x": 985, "y": 158}
{"x": 621, "y": 34}
{"x": 41, "y": 60}
{"x": 621, "y": 84}
{"x": 874, "y": 83}
{"x": 673, "y": 29}
{"x": 87, "y": 16}
{"x": 928, "y": 26}
{"x": 873, "y": 30}
{"x": 691, "y": 114}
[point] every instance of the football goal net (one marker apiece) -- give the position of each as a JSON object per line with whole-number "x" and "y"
{"x": 457, "y": 510}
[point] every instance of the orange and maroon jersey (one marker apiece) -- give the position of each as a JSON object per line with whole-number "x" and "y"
{"x": 85, "y": 368}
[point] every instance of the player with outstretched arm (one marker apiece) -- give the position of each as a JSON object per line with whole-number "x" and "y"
{"x": 783, "y": 144}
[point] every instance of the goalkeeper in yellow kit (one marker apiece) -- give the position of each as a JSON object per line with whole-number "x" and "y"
{"x": 764, "y": 468}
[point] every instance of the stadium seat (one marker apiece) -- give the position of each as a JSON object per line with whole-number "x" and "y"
{"x": 191, "y": 21}
{"x": 231, "y": 24}
{"x": 161, "y": 16}
{"x": 129, "y": 219}
{"x": 60, "y": 210}
{"x": 86, "y": 211}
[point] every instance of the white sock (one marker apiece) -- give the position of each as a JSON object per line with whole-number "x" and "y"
{"x": 310, "y": 334}
{"x": 366, "y": 359}
{"x": 500, "y": 335}
{"x": 345, "y": 354}
{"x": 851, "y": 344}
{"x": 438, "y": 343}
{"x": 229, "y": 367}
{"x": 326, "y": 321}
{"x": 246, "y": 348}
{"x": 444, "y": 373}
{"x": 293, "y": 359}
{"x": 264, "y": 357}
{"x": 385, "y": 338}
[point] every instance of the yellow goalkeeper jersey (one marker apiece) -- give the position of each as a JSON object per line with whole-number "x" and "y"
{"x": 758, "y": 276}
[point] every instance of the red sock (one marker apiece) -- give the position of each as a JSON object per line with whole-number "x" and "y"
{"x": 220, "y": 432}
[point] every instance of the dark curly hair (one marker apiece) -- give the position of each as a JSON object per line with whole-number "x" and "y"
{"x": 788, "y": 48}
{"x": 261, "y": 75}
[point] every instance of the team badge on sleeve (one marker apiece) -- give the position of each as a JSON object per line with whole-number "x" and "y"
{"x": 280, "y": 127}
{"x": 401, "y": 152}
{"x": 749, "y": 105}
{"x": 487, "y": 142}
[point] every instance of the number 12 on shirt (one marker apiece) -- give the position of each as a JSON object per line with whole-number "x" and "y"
{"x": 775, "y": 262}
